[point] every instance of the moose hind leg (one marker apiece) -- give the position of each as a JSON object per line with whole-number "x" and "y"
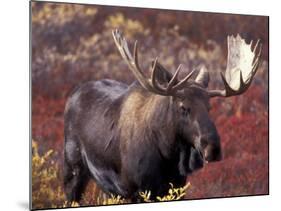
{"x": 76, "y": 176}
{"x": 75, "y": 181}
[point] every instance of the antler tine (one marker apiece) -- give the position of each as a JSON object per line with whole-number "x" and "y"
{"x": 251, "y": 43}
{"x": 153, "y": 70}
{"x": 241, "y": 68}
{"x": 227, "y": 87}
{"x": 150, "y": 84}
{"x": 136, "y": 60}
{"x": 255, "y": 48}
{"x": 173, "y": 79}
{"x": 183, "y": 81}
{"x": 122, "y": 45}
{"x": 258, "y": 56}
{"x": 256, "y": 61}
{"x": 153, "y": 78}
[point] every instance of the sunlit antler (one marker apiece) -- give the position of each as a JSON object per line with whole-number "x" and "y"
{"x": 150, "y": 84}
{"x": 242, "y": 65}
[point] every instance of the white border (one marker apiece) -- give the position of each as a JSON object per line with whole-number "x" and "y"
{"x": 14, "y": 110}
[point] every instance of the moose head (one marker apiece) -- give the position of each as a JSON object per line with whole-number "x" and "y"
{"x": 190, "y": 98}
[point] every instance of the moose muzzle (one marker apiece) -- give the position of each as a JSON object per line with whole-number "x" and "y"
{"x": 212, "y": 153}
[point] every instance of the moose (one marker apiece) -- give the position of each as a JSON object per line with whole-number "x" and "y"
{"x": 155, "y": 131}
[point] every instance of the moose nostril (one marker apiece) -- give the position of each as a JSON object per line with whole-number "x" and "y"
{"x": 212, "y": 153}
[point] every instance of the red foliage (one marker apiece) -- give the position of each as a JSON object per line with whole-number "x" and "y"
{"x": 47, "y": 122}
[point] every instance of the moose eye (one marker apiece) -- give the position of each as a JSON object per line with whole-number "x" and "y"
{"x": 185, "y": 111}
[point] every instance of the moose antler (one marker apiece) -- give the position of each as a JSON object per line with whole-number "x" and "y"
{"x": 242, "y": 65}
{"x": 151, "y": 84}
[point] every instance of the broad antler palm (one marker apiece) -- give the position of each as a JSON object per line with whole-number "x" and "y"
{"x": 242, "y": 65}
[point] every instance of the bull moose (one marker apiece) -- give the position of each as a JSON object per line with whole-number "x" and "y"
{"x": 156, "y": 131}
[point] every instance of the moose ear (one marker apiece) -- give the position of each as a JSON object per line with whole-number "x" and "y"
{"x": 163, "y": 76}
{"x": 203, "y": 77}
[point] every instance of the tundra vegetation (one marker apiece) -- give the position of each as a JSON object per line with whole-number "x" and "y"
{"x": 72, "y": 44}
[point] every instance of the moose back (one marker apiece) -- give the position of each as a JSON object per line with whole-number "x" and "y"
{"x": 156, "y": 131}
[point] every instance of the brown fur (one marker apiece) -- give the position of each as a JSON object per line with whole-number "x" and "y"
{"x": 143, "y": 112}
